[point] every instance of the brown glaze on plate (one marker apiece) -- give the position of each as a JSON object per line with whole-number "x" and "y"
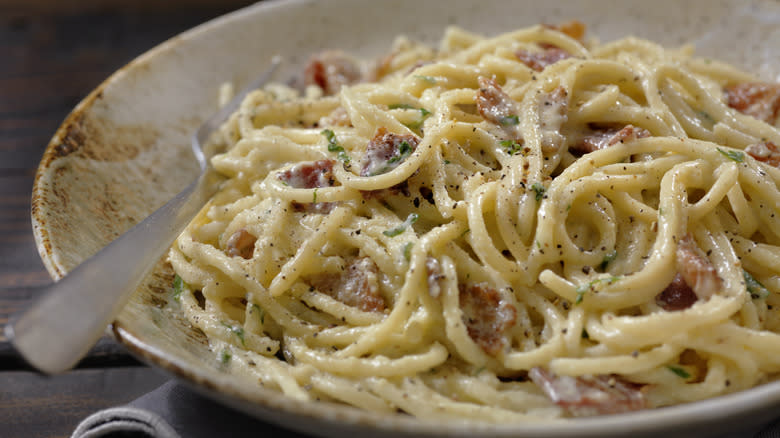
{"x": 123, "y": 152}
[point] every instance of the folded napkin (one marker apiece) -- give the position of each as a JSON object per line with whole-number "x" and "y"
{"x": 173, "y": 411}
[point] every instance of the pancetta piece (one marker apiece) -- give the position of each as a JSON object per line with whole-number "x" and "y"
{"x": 486, "y": 315}
{"x": 386, "y": 151}
{"x": 589, "y": 395}
{"x": 757, "y": 99}
{"x": 696, "y": 269}
{"x": 677, "y": 296}
{"x": 357, "y": 285}
{"x": 330, "y": 70}
{"x": 765, "y": 152}
{"x": 241, "y": 243}
{"x": 311, "y": 175}
{"x": 604, "y": 138}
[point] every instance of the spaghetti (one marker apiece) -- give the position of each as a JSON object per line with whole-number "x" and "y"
{"x": 514, "y": 228}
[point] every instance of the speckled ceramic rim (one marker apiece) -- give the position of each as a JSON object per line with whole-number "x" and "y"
{"x": 331, "y": 419}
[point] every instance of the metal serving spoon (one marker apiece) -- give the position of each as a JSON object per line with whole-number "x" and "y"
{"x": 68, "y": 318}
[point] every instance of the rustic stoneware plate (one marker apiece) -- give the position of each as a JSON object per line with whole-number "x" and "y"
{"x": 124, "y": 151}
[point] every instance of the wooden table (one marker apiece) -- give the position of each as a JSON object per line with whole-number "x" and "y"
{"x": 51, "y": 55}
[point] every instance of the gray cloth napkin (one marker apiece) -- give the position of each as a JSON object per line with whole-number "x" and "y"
{"x": 173, "y": 411}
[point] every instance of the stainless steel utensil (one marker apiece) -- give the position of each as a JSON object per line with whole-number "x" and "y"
{"x": 70, "y": 315}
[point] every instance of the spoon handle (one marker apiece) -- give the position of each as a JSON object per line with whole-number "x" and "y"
{"x": 70, "y": 316}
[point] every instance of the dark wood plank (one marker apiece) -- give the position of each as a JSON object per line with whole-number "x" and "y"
{"x": 53, "y": 53}
{"x": 34, "y": 406}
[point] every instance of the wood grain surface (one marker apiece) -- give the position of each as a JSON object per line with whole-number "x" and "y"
{"x": 52, "y": 53}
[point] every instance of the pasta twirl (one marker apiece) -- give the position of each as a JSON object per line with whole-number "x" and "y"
{"x": 515, "y": 228}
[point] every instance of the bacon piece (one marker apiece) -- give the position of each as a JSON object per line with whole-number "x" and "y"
{"x": 553, "y": 110}
{"x": 696, "y": 269}
{"x": 604, "y": 138}
{"x": 386, "y": 151}
{"x": 241, "y": 243}
{"x": 756, "y": 99}
{"x": 537, "y": 61}
{"x": 573, "y": 28}
{"x": 434, "y": 276}
{"x": 589, "y": 395}
{"x": 356, "y": 286}
{"x": 310, "y": 176}
{"x": 494, "y": 104}
{"x": 766, "y": 152}
{"x": 677, "y": 296}
{"x": 330, "y": 70}
{"x": 337, "y": 117}
{"x": 486, "y": 316}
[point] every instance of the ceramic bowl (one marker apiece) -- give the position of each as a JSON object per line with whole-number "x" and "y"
{"x": 123, "y": 152}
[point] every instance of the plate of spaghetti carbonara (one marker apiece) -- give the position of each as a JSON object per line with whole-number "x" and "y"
{"x": 497, "y": 229}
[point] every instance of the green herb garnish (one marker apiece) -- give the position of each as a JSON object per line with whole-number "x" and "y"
{"x": 681, "y": 372}
{"x": 509, "y": 120}
{"x": 732, "y": 155}
{"x": 479, "y": 370}
{"x": 236, "y": 330}
{"x": 429, "y": 79}
{"x": 408, "y": 251}
{"x": 756, "y": 289}
{"x": 512, "y": 147}
{"x": 591, "y": 286}
{"x": 260, "y": 312}
{"x": 416, "y": 124}
{"x": 225, "y": 356}
{"x": 706, "y": 117}
{"x": 314, "y": 198}
{"x": 334, "y": 146}
{"x": 412, "y": 218}
{"x": 585, "y": 334}
{"x": 404, "y": 150}
{"x": 610, "y": 257}
{"x": 400, "y": 106}
{"x": 539, "y": 189}
{"x": 178, "y": 287}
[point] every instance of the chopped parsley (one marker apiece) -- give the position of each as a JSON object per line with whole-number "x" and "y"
{"x": 512, "y": 147}
{"x": 585, "y": 334}
{"x": 178, "y": 287}
{"x": 732, "y": 155}
{"x": 509, "y": 120}
{"x": 225, "y": 356}
{"x": 447, "y": 161}
{"x": 681, "y": 372}
{"x": 259, "y": 312}
{"x": 314, "y": 198}
{"x": 408, "y": 251}
{"x": 334, "y": 146}
{"x": 400, "y": 106}
{"x": 429, "y": 79}
{"x": 756, "y": 289}
{"x": 424, "y": 113}
{"x": 539, "y": 189}
{"x": 591, "y": 286}
{"x": 236, "y": 330}
{"x": 608, "y": 258}
{"x": 706, "y": 118}
{"x": 479, "y": 370}
{"x": 412, "y": 218}
{"x": 404, "y": 150}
